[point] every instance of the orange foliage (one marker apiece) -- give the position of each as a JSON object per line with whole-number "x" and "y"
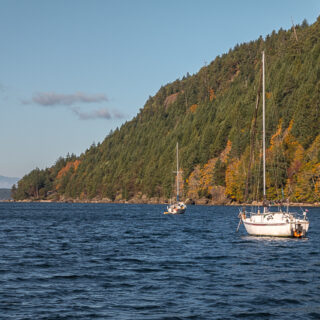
{"x": 76, "y": 164}
{"x": 290, "y": 143}
{"x": 317, "y": 181}
{"x": 212, "y": 94}
{"x": 201, "y": 179}
{"x": 296, "y": 163}
{"x": 288, "y": 130}
{"x": 65, "y": 170}
{"x": 194, "y": 183}
{"x": 193, "y": 108}
{"x": 305, "y": 182}
{"x": 225, "y": 153}
{"x": 275, "y": 143}
{"x": 235, "y": 180}
{"x": 302, "y": 189}
{"x": 206, "y": 179}
{"x": 268, "y": 95}
{"x": 276, "y": 136}
{"x": 313, "y": 151}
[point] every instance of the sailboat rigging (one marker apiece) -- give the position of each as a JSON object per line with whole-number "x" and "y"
{"x": 267, "y": 223}
{"x": 178, "y": 207}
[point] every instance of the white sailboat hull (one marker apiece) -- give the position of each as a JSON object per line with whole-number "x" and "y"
{"x": 176, "y": 208}
{"x": 275, "y": 225}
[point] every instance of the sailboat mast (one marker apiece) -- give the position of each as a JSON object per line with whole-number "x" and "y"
{"x": 263, "y": 130}
{"x": 177, "y": 171}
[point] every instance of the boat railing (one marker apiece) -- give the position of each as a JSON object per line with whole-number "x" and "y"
{"x": 292, "y": 215}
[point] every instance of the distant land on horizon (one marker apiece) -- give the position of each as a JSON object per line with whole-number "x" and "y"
{"x": 5, "y": 194}
{"x": 8, "y": 182}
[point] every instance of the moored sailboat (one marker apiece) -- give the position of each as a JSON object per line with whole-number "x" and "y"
{"x": 178, "y": 207}
{"x": 268, "y": 223}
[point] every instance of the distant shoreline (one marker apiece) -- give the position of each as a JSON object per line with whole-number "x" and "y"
{"x": 233, "y": 204}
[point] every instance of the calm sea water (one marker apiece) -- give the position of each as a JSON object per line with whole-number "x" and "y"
{"x": 114, "y": 261}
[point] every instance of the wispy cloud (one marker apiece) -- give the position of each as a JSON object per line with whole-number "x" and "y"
{"x": 103, "y": 113}
{"x": 67, "y": 101}
{"x": 56, "y": 99}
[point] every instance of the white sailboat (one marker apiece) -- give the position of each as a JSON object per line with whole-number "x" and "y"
{"x": 178, "y": 207}
{"x": 267, "y": 223}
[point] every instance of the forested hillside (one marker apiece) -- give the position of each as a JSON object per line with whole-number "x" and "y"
{"x": 212, "y": 116}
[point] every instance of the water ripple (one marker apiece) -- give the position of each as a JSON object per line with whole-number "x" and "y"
{"x": 105, "y": 261}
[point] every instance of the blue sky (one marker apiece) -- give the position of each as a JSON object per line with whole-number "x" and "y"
{"x": 73, "y": 70}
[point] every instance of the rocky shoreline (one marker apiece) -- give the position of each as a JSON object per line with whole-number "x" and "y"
{"x": 202, "y": 201}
